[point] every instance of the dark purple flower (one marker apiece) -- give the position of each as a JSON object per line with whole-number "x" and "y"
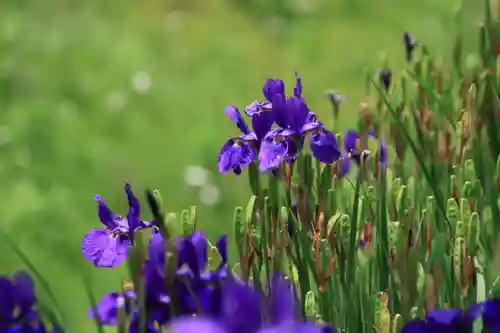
{"x": 410, "y": 45}
{"x": 238, "y": 152}
{"x": 17, "y": 305}
{"x": 108, "y": 247}
{"x": 354, "y": 146}
{"x": 385, "y": 77}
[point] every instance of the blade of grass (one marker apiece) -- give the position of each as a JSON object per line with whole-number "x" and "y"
{"x": 93, "y": 303}
{"x": 420, "y": 160}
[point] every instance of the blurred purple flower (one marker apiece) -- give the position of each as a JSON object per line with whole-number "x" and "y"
{"x": 238, "y": 152}
{"x": 242, "y": 309}
{"x": 454, "y": 320}
{"x": 385, "y": 77}
{"x": 192, "y": 260}
{"x": 108, "y": 247}
{"x": 410, "y": 45}
{"x": 17, "y": 305}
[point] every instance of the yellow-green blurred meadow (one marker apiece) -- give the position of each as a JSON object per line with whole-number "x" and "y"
{"x": 94, "y": 93}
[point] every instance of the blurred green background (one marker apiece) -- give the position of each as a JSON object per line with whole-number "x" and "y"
{"x": 94, "y": 93}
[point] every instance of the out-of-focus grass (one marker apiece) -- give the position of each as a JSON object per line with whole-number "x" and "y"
{"x": 93, "y": 93}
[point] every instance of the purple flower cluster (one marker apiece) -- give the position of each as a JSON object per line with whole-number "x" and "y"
{"x": 18, "y": 312}
{"x": 195, "y": 288}
{"x": 280, "y": 126}
{"x": 219, "y": 301}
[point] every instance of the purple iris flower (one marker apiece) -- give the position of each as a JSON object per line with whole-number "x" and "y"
{"x": 192, "y": 261}
{"x": 109, "y": 305}
{"x": 295, "y": 121}
{"x": 242, "y": 309}
{"x": 108, "y": 247}
{"x": 354, "y": 145}
{"x": 238, "y": 152}
{"x": 17, "y": 305}
{"x": 455, "y": 320}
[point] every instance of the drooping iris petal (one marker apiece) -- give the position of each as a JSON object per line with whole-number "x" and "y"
{"x": 106, "y": 215}
{"x": 25, "y": 291}
{"x": 324, "y": 147}
{"x": 241, "y": 308}
{"x": 229, "y": 156}
{"x": 273, "y": 87}
{"x": 234, "y": 114}
{"x": 257, "y": 107}
{"x": 134, "y": 209}
{"x": 195, "y": 325}
{"x": 310, "y": 127}
{"x": 272, "y": 153}
{"x": 103, "y": 249}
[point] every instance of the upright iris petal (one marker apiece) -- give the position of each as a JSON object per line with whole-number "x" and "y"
{"x": 134, "y": 209}
{"x": 108, "y": 247}
{"x": 273, "y": 87}
{"x": 297, "y": 91}
{"x": 193, "y": 252}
